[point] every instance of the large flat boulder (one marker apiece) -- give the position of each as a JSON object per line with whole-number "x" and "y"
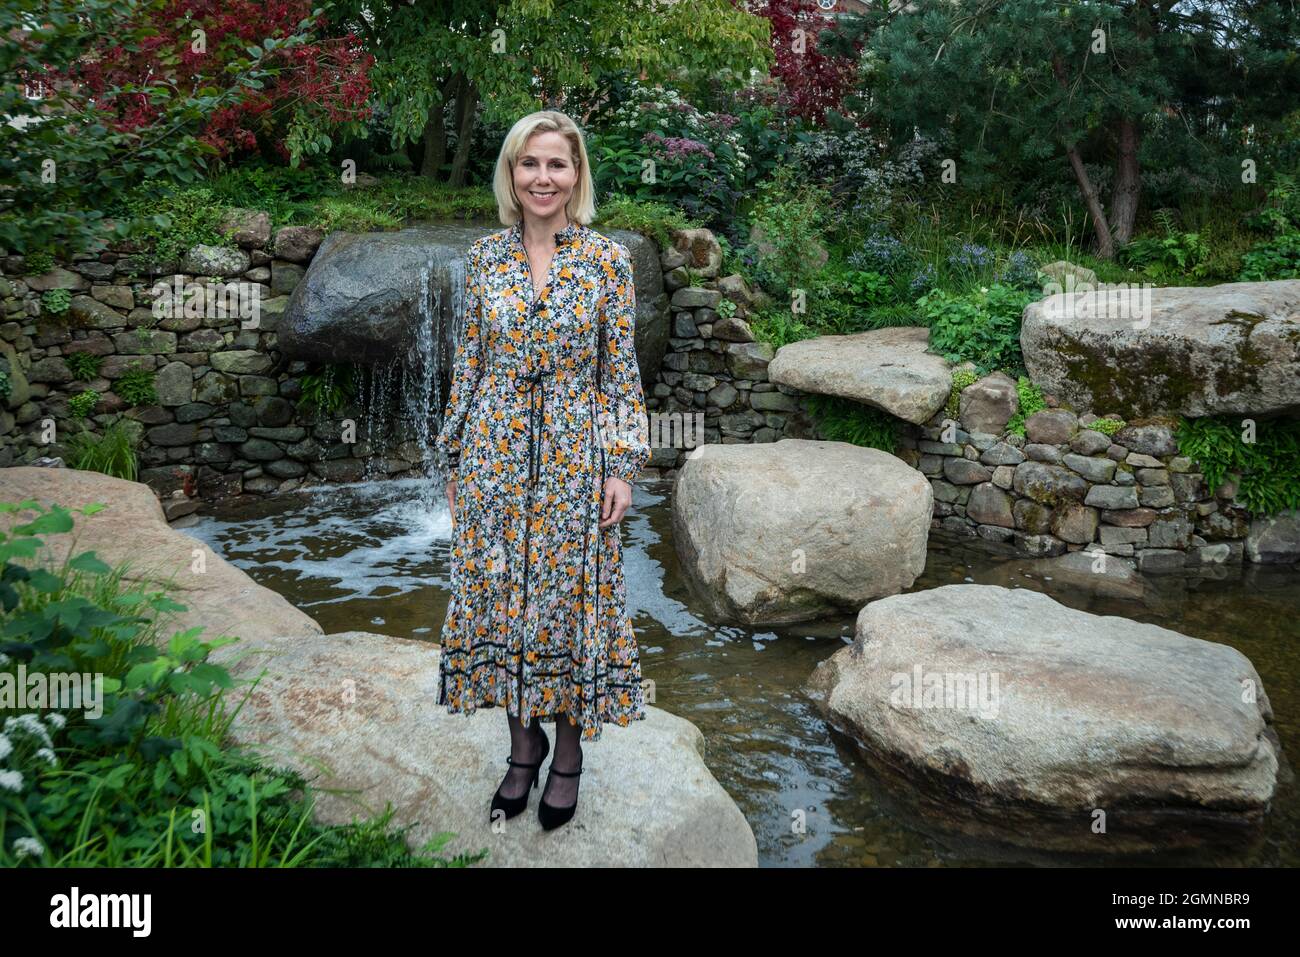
{"x": 792, "y": 530}
{"x": 361, "y": 708}
{"x": 889, "y": 369}
{"x": 1061, "y": 714}
{"x": 132, "y": 529}
{"x": 1233, "y": 348}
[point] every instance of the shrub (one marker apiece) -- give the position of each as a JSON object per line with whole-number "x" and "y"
{"x": 982, "y": 327}
{"x": 84, "y": 366}
{"x": 843, "y": 420}
{"x": 1275, "y": 259}
{"x": 1269, "y": 467}
{"x": 113, "y": 453}
{"x": 136, "y": 386}
{"x": 1031, "y": 401}
{"x": 327, "y": 389}
{"x": 83, "y": 404}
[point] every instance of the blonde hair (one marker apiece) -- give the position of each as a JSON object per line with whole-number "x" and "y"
{"x": 581, "y": 207}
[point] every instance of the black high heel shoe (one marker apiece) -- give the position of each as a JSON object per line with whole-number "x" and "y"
{"x": 514, "y": 806}
{"x": 551, "y": 816}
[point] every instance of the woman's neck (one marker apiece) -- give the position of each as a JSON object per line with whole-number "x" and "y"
{"x": 541, "y": 232}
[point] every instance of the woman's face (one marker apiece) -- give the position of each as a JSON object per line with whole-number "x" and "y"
{"x": 545, "y": 175}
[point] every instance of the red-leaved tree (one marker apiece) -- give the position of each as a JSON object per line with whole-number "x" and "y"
{"x": 814, "y": 79}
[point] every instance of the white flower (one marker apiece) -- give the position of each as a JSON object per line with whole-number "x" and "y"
{"x": 4, "y": 660}
{"x": 56, "y": 720}
{"x": 48, "y": 755}
{"x": 27, "y": 846}
{"x": 984, "y": 288}
{"x": 11, "y": 781}
{"x": 6, "y": 748}
{"x": 31, "y": 724}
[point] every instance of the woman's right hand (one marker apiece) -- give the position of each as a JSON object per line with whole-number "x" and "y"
{"x": 451, "y": 500}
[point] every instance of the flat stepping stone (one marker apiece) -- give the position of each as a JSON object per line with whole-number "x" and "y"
{"x": 1019, "y": 719}
{"x": 888, "y": 369}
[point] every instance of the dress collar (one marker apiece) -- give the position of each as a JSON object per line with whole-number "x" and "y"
{"x": 565, "y": 235}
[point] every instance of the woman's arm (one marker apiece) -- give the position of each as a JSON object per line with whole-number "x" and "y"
{"x": 467, "y": 368}
{"x": 625, "y": 430}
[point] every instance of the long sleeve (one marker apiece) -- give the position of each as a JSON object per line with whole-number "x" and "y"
{"x": 467, "y": 367}
{"x": 625, "y": 430}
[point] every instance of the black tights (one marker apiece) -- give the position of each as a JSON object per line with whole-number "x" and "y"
{"x": 565, "y": 755}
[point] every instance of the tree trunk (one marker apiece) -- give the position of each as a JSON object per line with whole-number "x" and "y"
{"x": 1105, "y": 244}
{"x": 467, "y": 107}
{"x": 1128, "y": 183}
{"x": 435, "y": 133}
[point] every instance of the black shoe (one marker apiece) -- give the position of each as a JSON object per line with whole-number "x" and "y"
{"x": 550, "y": 815}
{"x": 514, "y": 806}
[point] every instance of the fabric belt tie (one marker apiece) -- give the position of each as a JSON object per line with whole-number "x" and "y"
{"x": 527, "y": 383}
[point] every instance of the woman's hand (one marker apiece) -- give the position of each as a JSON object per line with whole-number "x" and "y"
{"x": 618, "y": 496}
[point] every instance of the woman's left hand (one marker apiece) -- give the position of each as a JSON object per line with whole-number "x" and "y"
{"x": 618, "y": 496}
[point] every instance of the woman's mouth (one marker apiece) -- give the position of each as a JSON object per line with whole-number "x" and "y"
{"x": 543, "y": 196}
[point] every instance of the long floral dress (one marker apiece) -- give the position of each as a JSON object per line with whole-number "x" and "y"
{"x": 537, "y": 615}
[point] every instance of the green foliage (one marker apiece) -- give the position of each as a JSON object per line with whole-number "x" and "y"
{"x": 1269, "y": 467}
{"x": 657, "y": 221}
{"x": 114, "y": 453}
{"x": 789, "y": 216}
{"x": 38, "y": 263}
{"x": 1278, "y": 258}
{"x": 141, "y": 770}
{"x": 843, "y": 420}
{"x": 327, "y": 389}
{"x": 136, "y": 386}
{"x": 961, "y": 378}
{"x": 169, "y": 224}
{"x": 780, "y": 327}
{"x": 1171, "y": 257}
{"x": 1107, "y": 426}
{"x": 1031, "y": 401}
{"x": 82, "y": 404}
{"x": 56, "y": 301}
{"x": 982, "y": 327}
{"x": 84, "y": 366}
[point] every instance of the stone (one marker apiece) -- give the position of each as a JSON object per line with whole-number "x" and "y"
{"x": 1119, "y": 535}
{"x": 1111, "y": 497}
{"x": 887, "y": 369}
{"x": 1231, "y": 348}
{"x": 1003, "y": 476}
{"x": 1043, "y": 453}
{"x": 1049, "y": 484}
{"x": 119, "y": 297}
{"x": 1153, "y": 477}
{"x": 1093, "y": 469}
{"x": 989, "y": 505}
{"x": 1089, "y": 712}
{"x": 246, "y": 227}
{"x": 1039, "y": 545}
{"x": 1275, "y": 539}
{"x": 1051, "y": 427}
{"x": 174, "y": 384}
{"x": 1170, "y": 532}
{"x": 222, "y": 261}
{"x": 1030, "y": 517}
{"x": 1156, "y": 496}
{"x": 860, "y": 526}
{"x": 1075, "y": 523}
{"x": 965, "y": 472}
{"x": 1161, "y": 561}
{"x": 241, "y": 361}
{"x": 57, "y": 278}
{"x": 1188, "y": 486}
{"x": 285, "y": 277}
{"x": 1138, "y": 460}
{"x": 1109, "y": 578}
{"x": 1002, "y": 454}
{"x": 1130, "y": 517}
{"x": 1068, "y": 275}
{"x": 297, "y": 244}
{"x": 1089, "y": 442}
{"x": 989, "y": 403}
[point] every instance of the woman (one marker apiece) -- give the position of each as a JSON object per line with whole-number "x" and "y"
{"x": 545, "y": 429}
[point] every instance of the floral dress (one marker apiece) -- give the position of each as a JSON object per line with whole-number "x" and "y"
{"x": 537, "y": 616}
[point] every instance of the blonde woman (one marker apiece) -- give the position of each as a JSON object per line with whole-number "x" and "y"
{"x": 544, "y": 432}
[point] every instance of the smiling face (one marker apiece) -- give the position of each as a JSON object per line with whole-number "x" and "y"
{"x": 545, "y": 175}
